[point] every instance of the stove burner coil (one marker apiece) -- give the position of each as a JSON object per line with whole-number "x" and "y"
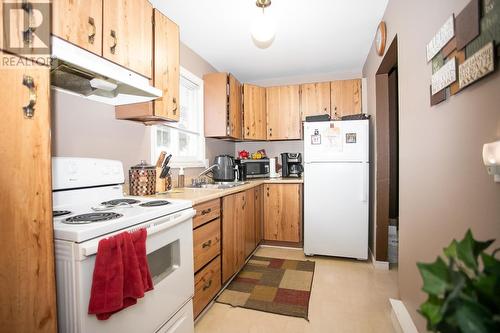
{"x": 117, "y": 202}
{"x": 91, "y": 218}
{"x": 57, "y": 213}
{"x": 155, "y": 203}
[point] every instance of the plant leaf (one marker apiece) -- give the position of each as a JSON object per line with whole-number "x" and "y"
{"x": 468, "y": 250}
{"x": 435, "y": 276}
{"x": 451, "y": 250}
{"x": 491, "y": 264}
{"x": 431, "y": 310}
{"x": 474, "y": 318}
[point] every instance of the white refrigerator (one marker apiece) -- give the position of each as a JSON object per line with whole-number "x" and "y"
{"x": 336, "y": 188}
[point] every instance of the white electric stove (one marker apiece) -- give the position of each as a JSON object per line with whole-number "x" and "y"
{"x": 89, "y": 205}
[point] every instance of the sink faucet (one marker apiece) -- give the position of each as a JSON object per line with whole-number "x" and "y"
{"x": 207, "y": 170}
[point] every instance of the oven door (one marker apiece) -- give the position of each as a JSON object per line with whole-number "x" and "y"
{"x": 257, "y": 169}
{"x": 169, "y": 249}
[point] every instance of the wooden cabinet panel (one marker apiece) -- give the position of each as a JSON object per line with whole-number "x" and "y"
{"x": 259, "y": 214}
{"x": 27, "y": 278}
{"x": 345, "y": 97}
{"x": 79, "y": 22}
{"x": 206, "y": 243}
{"x": 283, "y": 113}
{"x": 222, "y": 102}
{"x": 235, "y": 118}
{"x": 249, "y": 211}
{"x": 166, "y": 66}
{"x": 283, "y": 212}
{"x": 206, "y": 211}
{"x": 315, "y": 99}
{"x": 233, "y": 234}
{"x": 207, "y": 283}
{"x": 128, "y": 34}
{"x": 254, "y": 112}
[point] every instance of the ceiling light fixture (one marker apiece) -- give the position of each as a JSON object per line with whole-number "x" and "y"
{"x": 263, "y": 29}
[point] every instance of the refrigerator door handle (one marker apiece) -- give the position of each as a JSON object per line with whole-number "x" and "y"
{"x": 365, "y": 185}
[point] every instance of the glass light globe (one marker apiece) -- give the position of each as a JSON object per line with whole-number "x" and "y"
{"x": 263, "y": 31}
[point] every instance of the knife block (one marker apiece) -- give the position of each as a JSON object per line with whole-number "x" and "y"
{"x": 160, "y": 182}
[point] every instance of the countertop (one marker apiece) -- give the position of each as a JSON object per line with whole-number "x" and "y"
{"x": 199, "y": 195}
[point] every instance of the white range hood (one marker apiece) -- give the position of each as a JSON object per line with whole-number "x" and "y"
{"x": 81, "y": 72}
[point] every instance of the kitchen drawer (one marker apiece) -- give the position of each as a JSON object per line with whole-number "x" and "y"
{"x": 206, "y": 243}
{"x": 206, "y": 211}
{"x": 207, "y": 284}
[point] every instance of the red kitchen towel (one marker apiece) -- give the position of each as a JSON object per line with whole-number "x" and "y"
{"x": 121, "y": 274}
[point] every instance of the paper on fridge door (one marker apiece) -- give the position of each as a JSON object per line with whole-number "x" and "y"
{"x": 334, "y": 138}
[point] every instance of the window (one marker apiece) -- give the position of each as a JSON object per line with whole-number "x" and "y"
{"x": 185, "y": 139}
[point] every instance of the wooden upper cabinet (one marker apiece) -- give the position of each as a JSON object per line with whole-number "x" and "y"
{"x": 283, "y": 113}
{"x": 345, "y": 97}
{"x": 222, "y": 101}
{"x": 283, "y": 212}
{"x": 79, "y": 22}
{"x": 28, "y": 287}
{"x": 128, "y": 34}
{"x": 254, "y": 112}
{"x": 166, "y": 66}
{"x": 315, "y": 99}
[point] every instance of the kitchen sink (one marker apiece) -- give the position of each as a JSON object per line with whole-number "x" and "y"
{"x": 218, "y": 185}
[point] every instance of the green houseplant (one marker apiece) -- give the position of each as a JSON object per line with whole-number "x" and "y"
{"x": 463, "y": 288}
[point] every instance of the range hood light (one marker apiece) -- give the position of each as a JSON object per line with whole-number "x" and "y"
{"x": 102, "y": 85}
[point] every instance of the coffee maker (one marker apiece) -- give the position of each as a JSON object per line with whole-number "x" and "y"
{"x": 291, "y": 165}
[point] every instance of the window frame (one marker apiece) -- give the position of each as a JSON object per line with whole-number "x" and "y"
{"x": 200, "y": 161}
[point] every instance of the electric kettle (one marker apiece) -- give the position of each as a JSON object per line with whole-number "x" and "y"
{"x": 225, "y": 170}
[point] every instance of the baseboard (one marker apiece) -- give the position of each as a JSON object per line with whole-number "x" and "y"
{"x": 382, "y": 265}
{"x": 403, "y": 322}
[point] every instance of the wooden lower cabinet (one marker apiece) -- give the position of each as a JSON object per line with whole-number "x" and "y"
{"x": 205, "y": 212}
{"x": 27, "y": 276}
{"x": 249, "y": 210}
{"x": 207, "y": 284}
{"x": 206, "y": 243}
{"x": 259, "y": 214}
{"x": 283, "y": 212}
{"x": 233, "y": 234}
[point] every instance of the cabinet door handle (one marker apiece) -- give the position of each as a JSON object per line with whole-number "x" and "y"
{"x": 28, "y": 33}
{"x": 206, "y": 211}
{"x": 174, "y": 101}
{"x": 29, "y": 109}
{"x": 207, "y": 285}
{"x": 208, "y": 243}
{"x": 92, "y": 30}
{"x": 114, "y": 42}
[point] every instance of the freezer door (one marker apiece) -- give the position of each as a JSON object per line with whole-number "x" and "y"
{"x": 336, "y": 141}
{"x": 336, "y": 209}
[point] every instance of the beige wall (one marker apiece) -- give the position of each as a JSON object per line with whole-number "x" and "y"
{"x": 444, "y": 187}
{"x": 84, "y": 128}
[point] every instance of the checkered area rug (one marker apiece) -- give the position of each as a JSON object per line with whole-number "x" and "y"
{"x": 272, "y": 285}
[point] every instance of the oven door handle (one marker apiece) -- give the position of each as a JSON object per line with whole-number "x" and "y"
{"x": 152, "y": 227}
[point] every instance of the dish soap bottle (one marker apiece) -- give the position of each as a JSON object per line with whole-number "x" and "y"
{"x": 180, "y": 178}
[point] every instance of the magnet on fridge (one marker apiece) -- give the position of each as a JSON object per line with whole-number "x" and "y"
{"x": 316, "y": 138}
{"x": 350, "y": 138}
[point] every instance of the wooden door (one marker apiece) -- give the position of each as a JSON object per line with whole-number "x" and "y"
{"x": 128, "y": 34}
{"x": 259, "y": 214}
{"x": 79, "y": 22}
{"x": 233, "y": 234}
{"x": 283, "y": 113}
{"x": 314, "y": 99}
{"x": 345, "y": 97}
{"x": 166, "y": 66}
{"x": 282, "y": 212}
{"x": 27, "y": 275}
{"x": 254, "y": 112}
{"x": 249, "y": 211}
{"x": 235, "y": 118}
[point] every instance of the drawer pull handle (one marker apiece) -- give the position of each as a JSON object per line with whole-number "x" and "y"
{"x": 174, "y": 101}
{"x": 29, "y": 109}
{"x": 92, "y": 30}
{"x": 206, "y": 244}
{"x": 207, "y": 285}
{"x": 206, "y": 211}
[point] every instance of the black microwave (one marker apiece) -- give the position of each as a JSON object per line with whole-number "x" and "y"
{"x": 256, "y": 168}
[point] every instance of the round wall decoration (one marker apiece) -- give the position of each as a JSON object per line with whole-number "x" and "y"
{"x": 381, "y": 38}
